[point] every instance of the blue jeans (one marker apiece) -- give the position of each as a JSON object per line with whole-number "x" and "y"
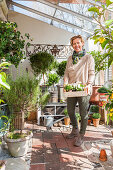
{"x": 83, "y": 109}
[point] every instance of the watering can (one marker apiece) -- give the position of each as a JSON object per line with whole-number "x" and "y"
{"x": 49, "y": 120}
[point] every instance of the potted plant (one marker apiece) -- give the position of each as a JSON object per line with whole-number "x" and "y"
{"x": 103, "y": 95}
{"x": 53, "y": 79}
{"x": 78, "y": 117}
{"x": 12, "y": 43}
{"x": 66, "y": 119}
{"x": 21, "y": 92}
{"x": 41, "y": 62}
{"x": 96, "y": 119}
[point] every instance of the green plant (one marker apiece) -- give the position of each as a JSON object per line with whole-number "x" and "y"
{"x": 68, "y": 87}
{"x": 22, "y": 91}
{"x": 41, "y": 62}
{"x": 12, "y": 43}
{"x": 94, "y": 108}
{"x": 52, "y": 79}
{"x": 103, "y": 90}
{"x": 100, "y": 61}
{"x": 104, "y": 33}
{"x": 109, "y": 106}
{"x": 78, "y": 116}
{"x": 61, "y": 68}
{"x": 96, "y": 116}
{"x": 65, "y": 112}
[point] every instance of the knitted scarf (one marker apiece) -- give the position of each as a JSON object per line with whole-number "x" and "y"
{"x": 77, "y": 56}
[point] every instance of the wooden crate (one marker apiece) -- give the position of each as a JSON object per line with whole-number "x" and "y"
{"x": 75, "y": 94}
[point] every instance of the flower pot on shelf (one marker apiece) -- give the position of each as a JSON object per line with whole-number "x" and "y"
{"x": 67, "y": 121}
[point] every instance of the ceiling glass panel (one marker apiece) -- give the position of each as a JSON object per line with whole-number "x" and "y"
{"x": 73, "y": 20}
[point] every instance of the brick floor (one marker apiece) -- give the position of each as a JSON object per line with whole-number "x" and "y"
{"x": 52, "y": 151}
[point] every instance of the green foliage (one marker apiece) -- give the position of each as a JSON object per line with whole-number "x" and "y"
{"x": 41, "y": 62}
{"x": 103, "y": 90}
{"x": 94, "y": 108}
{"x": 104, "y": 34}
{"x": 23, "y": 90}
{"x": 61, "y": 68}
{"x": 52, "y": 79}
{"x": 65, "y": 112}
{"x": 43, "y": 100}
{"x": 78, "y": 116}
{"x": 100, "y": 60}
{"x": 12, "y": 43}
{"x": 96, "y": 116}
{"x": 68, "y": 87}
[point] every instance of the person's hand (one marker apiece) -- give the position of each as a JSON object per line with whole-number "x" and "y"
{"x": 89, "y": 89}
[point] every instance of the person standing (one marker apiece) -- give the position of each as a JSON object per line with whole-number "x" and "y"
{"x": 80, "y": 68}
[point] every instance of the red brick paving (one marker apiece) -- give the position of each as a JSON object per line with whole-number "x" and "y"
{"x": 52, "y": 151}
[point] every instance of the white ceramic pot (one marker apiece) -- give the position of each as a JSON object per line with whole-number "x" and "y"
{"x": 18, "y": 147}
{"x": 111, "y": 145}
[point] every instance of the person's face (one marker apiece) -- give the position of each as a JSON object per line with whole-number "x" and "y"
{"x": 77, "y": 45}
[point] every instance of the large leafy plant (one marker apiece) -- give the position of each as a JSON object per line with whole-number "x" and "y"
{"x": 41, "y": 62}
{"x": 61, "y": 68}
{"x": 100, "y": 61}
{"x": 104, "y": 33}
{"x": 12, "y": 43}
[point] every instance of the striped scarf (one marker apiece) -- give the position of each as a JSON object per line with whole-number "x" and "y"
{"x": 77, "y": 56}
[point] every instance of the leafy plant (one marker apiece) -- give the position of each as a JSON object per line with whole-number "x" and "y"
{"x": 65, "y": 112}
{"x": 41, "y": 62}
{"x": 78, "y": 116}
{"x": 52, "y": 79}
{"x": 12, "y": 43}
{"x": 102, "y": 90}
{"x": 109, "y": 106}
{"x": 100, "y": 60}
{"x": 61, "y": 68}
{"x": 94, "y": 108}
{"x": 22, "y": 91}
{"x": 68, "y": 87}
{"x": 104, "y": 33}
{"x": 96, "y": 116}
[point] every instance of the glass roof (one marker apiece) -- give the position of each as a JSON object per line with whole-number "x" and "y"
{"x": 71, "y": 17}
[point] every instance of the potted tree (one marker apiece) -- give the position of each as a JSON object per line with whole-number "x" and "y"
{"x": 41, "y": 62}
{"x": 66, "y": 119}
{"x": 60, "y": 71}
{"x": 21, "y": 92}
{"x": 96, "y": 119}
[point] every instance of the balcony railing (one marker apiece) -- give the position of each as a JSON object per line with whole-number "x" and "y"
{"x": 59, "y": 51}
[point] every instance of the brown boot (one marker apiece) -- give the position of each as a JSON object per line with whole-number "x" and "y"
{"x": 79, "y": 140}
{"x": 74, "y": 133}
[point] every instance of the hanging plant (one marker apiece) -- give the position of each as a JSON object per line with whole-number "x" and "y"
{"x": 12, "y": 43}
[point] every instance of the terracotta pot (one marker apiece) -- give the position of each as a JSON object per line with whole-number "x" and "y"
{"x": 67, "y": 121}
{"x": 103, "y": 155}
{"x": 89, "y": 122}
{"x": 96, "y": 122}
{"x": 95, "y": 95}
{"x": 112, "y": 132}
